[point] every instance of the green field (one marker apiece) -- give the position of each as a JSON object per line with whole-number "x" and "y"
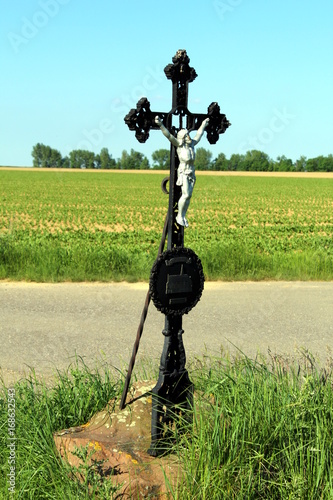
{"x": 59, "y": 225}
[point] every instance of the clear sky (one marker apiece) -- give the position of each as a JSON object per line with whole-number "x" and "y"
{"x": 72, "y": 69}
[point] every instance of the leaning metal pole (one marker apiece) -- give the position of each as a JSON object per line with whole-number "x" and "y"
{"x": 140, "y": 327}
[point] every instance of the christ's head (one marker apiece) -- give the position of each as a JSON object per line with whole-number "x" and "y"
{"x": 183, "y": 136}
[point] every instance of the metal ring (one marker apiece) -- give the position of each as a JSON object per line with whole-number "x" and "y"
{"x": 164, "y": 183}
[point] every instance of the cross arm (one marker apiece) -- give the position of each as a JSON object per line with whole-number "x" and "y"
{"x": 141, "y": 119}
{"x": 217, "y": 125}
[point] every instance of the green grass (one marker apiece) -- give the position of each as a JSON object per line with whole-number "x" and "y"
{"x": 57, "y": 226}
{"x": 261, "y": 429}
{"x": 76, "y": 395}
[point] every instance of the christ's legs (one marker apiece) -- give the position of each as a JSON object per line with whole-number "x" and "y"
{"x": 184, "y": 200}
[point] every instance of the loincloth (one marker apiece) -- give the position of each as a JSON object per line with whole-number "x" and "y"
{"x": 187, "y": 171}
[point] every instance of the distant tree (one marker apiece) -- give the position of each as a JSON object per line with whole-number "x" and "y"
{"x": 75, "y": 159}
{"x": 46, "y": 157}
{"x": 161, "y": 159}
{"x": 323, "y": 163}
{"x": 105, "y": 159}
{"x": 220, "y": 162}
{"x": 132, "y": 161}
{"x": 255, "y": 160}
{"x": 300, "y": 165}
{"x": 236, "y": 162}
{"x": 124, "y": 162}
{"x": 312, "y": 165}
{"x": 144, "y": 165}
{"x": 284, "y": 164}
{"x": 37, "y": 155}
{"x": 203, "y": 159}
{"x": 329, "y": 163}
{"x": 81, "y": 158}
{"x": 97, "y": 162}
{"x": 56, "y": 160}
{"x": 66, "y": 162}
{"x": 89, "y": 158}
{"x": 320, "y": 164}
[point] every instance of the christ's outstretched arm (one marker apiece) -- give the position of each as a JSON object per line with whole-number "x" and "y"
{"x": 201, "y": 130}
{"x": 166, "y": 132}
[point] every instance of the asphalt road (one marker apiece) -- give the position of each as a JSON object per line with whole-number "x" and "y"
{"x": 43, "y": 326}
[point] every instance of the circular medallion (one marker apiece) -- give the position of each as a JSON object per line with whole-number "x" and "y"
{"x": 176, "y": 281}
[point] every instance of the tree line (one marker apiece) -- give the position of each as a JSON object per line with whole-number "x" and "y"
{"x": 251, "y": 161}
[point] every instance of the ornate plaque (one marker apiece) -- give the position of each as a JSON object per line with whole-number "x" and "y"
{"x": 176, "y": 281}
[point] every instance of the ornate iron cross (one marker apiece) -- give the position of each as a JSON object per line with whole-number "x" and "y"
{"x": 142, "y": 120}
{"x": 176, "y": 280}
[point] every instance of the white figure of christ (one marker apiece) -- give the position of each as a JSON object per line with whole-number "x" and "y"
{"x": 186, "y": 172}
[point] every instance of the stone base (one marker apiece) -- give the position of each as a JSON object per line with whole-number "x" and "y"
{"x": 121, "y": 439}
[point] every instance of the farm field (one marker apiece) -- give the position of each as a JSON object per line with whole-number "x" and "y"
{"x": 59, "y": 225}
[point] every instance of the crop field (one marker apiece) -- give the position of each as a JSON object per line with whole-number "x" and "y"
{"x": 60, "y": 225}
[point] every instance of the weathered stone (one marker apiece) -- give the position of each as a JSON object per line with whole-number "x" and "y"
{"x": 121, "y": 439}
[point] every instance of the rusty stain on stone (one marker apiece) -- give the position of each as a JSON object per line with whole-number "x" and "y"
{"x": 121, "y": 439}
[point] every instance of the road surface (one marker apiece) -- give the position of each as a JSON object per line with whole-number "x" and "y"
{"x": 43, "y": 326}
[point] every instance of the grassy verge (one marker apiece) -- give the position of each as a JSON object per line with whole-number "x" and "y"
{"x": 83, "y": 261}
{"x": 262, "y": 429}
{"x": 40, "y": 410}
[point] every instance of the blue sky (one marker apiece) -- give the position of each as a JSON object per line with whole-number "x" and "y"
{"x": 72, "y": 69}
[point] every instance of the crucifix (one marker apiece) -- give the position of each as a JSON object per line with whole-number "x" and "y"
{"x": 176, "y": 279}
